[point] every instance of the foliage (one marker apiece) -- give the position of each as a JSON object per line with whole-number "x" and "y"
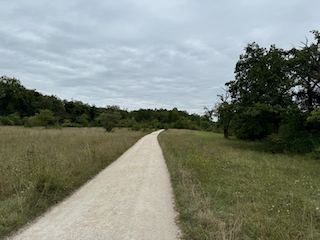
{"x": 109, "y": 120}
{"x": 16, "y": 99}
{"x": 315, "y": 115}
{"x": 274, "y": 88}
{"x": 225, "y": 113}
{"x": 68, "y": 123}
{"x": 261, "y": 90}
{"x": 136, "y": 127}
{"x": 305, "y": 65}
{"x": 6, "y": 121}
{"x": 43, "y": 118}
{"x": 83, "y": 120}
{"x": 11, "y": 95}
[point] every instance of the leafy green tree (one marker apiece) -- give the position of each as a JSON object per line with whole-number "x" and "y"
{"x": 225, "y": 113}
{"x": 109, "y": 120}
{"x": 260, "y": 94}
{"x": 83, "y": 120}
{"x": 181, "y": 123}
{"x": 173, "y": 115}
{"x": 305, "y": 69}
{"x": 12, "y": 94}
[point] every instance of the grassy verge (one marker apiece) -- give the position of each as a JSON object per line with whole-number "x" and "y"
{"x": 39, "y": 167}
{"x": 230, "y": 189}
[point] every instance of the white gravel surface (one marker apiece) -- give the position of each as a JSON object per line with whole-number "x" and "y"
{"x": 130, "y": 199}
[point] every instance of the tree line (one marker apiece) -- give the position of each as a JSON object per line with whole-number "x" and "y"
{"x": 21, "y": 106}
{"x": 275, "y": 96}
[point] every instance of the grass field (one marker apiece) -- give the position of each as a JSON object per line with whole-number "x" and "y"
{"x": 232, "y": 189}
{"x": 39, "y": 167}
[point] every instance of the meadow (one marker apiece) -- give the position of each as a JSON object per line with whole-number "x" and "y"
{"x": 39, "y": 167}
{"x": 233, "y": 189}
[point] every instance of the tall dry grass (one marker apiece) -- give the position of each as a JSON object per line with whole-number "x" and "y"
{"x": 39, "y": 167}
{"x": 232, "y": 189}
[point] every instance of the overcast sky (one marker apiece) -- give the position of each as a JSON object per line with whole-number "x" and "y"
{"x": 142, "y": 53}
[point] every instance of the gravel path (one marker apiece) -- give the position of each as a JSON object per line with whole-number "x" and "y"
{"x": 130, "y": 199}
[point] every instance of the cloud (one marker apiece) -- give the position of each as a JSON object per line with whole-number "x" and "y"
{"x": 142, "y": 54}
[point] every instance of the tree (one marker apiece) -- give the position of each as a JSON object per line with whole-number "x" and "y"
{"x": 260, "y": 94}
{"x": 305, "y": 69}
{"x": 83, "y": 120}
{"x": 12, "y": 94}
{"x": 225, "y": 113}
{"x": 208, "y": 114}
{"x": 109, "y": 120}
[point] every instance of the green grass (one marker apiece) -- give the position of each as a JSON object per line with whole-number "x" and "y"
{"x": 232, "y": 189}
{"x": 39, "y": 167}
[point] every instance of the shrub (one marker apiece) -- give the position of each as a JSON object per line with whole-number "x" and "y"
{"x": 16, "y": 119}
{"x": 136, "y": 127}
{"x": 131, "y": 122}
{"x": 43, "y": 118}
{"x": 109, "y": 120}
{"x": 6, "y": 121}
{"x": 296, "y": 142}
{"x": 83, "y": 120}
{"x": 206, "y": 125}
{"x": 68, "y": 123}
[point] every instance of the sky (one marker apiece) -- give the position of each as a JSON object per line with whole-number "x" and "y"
{"x": 142, "y": 53}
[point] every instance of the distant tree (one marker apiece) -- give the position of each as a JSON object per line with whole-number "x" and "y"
{"x": 109, "y": 120}
{"x": 224, "y": 111}
{"x": 181, "y": 123}
{"x": 83, "y": 120}
{"x": 173, "y": 115}
{"x": 12, "y": 94}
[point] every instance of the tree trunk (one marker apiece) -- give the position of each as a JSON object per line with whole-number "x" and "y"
{"x": 225, "y": 132}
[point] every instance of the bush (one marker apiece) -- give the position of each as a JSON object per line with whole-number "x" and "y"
{"x": 296, "y": 142}
{"x": 136, "y": 127}
{"x": 6, "y": 121}
{"x": 131, "y": 122}
{"x": 206, "y": 125}
{"x": 109, "y": 120}
{"x": 68, "y": 123}
{"x": 43, "y": 118}
{"x": 83, "y": 120}
{"x": 315, "y": 154}
{"x": 16, "y": 119}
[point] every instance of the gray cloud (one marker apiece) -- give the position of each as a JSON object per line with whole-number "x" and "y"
{"x": 140, "y": 53}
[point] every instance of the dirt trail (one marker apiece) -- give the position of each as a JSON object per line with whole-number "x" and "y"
{"x": 130, "y": 199}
